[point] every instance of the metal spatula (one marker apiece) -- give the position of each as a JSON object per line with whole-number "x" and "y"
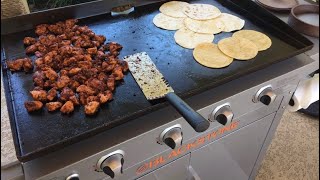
{"x": 154, "y": 86}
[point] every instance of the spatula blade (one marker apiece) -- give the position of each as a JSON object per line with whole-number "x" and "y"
{"x": 149, "y": 78}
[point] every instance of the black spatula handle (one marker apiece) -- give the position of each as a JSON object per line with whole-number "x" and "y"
{"x": 198, "y": 123}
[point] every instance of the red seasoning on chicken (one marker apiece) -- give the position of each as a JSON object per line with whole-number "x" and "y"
{"x": 73, "y": 65}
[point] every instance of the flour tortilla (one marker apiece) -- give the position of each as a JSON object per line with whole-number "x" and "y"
{"x": 201, "y": 11}
{"x": 173, "y": 9}
{"x": 231, "y": 22}
{"x": 189, "y": 39}
{"x": 261, "y": 40}
{"x": 209, "y": 55}
{"x": 167, "y": 22}
{"x": 212, "y": 26}
{"x": 238, "y": 48}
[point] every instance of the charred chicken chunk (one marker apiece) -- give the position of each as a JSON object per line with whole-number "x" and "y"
{"x": 71, "y": 22}
{"x": 53, "y": 106}
{"x": 15, "y": 65}
{"x": 92, "y": 51}
{"x": 100, "y": 38}
{"x": 105, "y": 97}
{"x": 74, "y": 100}
{"x": 42, "y": 29}
{"x": 27, "y": 41}
{"x": 62, "y": 82}
{"x": 50, "y": 73}
{"x": 66, "y": 93}
{"x": 52, "y": 94}
{"x": 83, "y": 98}
{"x": 111, "y": 83}
{"x": 85, "y": 89}
{"x": 39, "y": 95}
{"x": 67, "y": 108}
{"x": 92, "y": 98}
{"x": 33, "y": 105}
{"x": 74, "y": 71}
{"x": 95, "y": 83}
{"x": 117, "y": 73}
{"x": 32, "y": 49}
{"x": 27, "y": 65}
{"x": 92, "y": 107}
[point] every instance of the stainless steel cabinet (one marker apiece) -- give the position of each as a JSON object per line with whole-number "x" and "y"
{"x": 233, "y": 156}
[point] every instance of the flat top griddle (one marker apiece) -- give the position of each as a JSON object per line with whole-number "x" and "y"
{"x": 39, "y": 133}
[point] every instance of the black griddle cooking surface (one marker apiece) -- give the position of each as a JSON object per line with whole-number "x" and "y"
{"x": 40, "y": 133}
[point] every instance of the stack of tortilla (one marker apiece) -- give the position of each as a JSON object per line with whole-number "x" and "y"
{"x": 196, "y": 25}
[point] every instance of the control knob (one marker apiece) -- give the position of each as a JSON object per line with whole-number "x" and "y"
{"x": 172, "y": 136}
{"x": 74, "y": 176}
{"x": 223, "y": 114}
{"x": 265, "y": 95}
{"x": 112, "y": 164}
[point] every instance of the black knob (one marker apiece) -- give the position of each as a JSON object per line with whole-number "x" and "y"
{"x": 222, "y": 119}
{"x": 265, "y": 95}
{"x": 73, "y": 177}
{"x": 112, "y": 164}
{"x": 266, "y": 100}
{"x": 172, "y": 137}
{"x": 223, "y": 114}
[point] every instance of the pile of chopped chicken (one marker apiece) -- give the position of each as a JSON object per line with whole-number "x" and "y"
{"x": 74, "y": 67}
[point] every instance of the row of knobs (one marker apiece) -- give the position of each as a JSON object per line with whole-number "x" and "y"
{"x": 112, "y": 164}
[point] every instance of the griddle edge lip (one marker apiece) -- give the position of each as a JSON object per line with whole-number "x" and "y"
{"x": 43, "y": 151}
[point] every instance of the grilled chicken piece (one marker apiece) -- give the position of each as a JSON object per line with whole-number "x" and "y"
{"x": 100, "y": 38}
{"x": 15, "y": 65}
{"x": 92, "y": 51}
{"x": 105, "y": 97}
{"x": 124, "y": 65}
{"x": 95, "y": 83}
{"x": 74, "y": 100}
{"x": 91, "y": 108}
{"x": 67, "y": 108}
{"x": 114, "y": 47}
{"x": 53, "y": 106}
{"x": 66, "y": 93}
{"x": 50, "y": 73}
{"x": 74, "y": 85}
{"x": 27, "y": 65}
{"x": 31, "y": 49}
{"x": 42, "y": 29}
{"x": 29, "y": 41}
{"x": 39, "y": 95}
{"x": 74, "y": 71}
{"x": 85, "y": 89}
{"x": 102, "y": 77}
{"x": 111, "y": 83}
{"x": 39, "y": 78}
{"x": 62, "y": 82}
{"x": 33, "y": 105}
{"x": 39, "y": 62}
{"x": 83, "y": 98}
{"x": 52, "y": 94}
{"x": 92, "y": 98}
{"x": 71, "y": 22}
{"x": 117, "y": 73}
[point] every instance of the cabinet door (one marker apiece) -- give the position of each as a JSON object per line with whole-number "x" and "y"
{"x": 233, "y": 156}
{"x": 176, "y": 170}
